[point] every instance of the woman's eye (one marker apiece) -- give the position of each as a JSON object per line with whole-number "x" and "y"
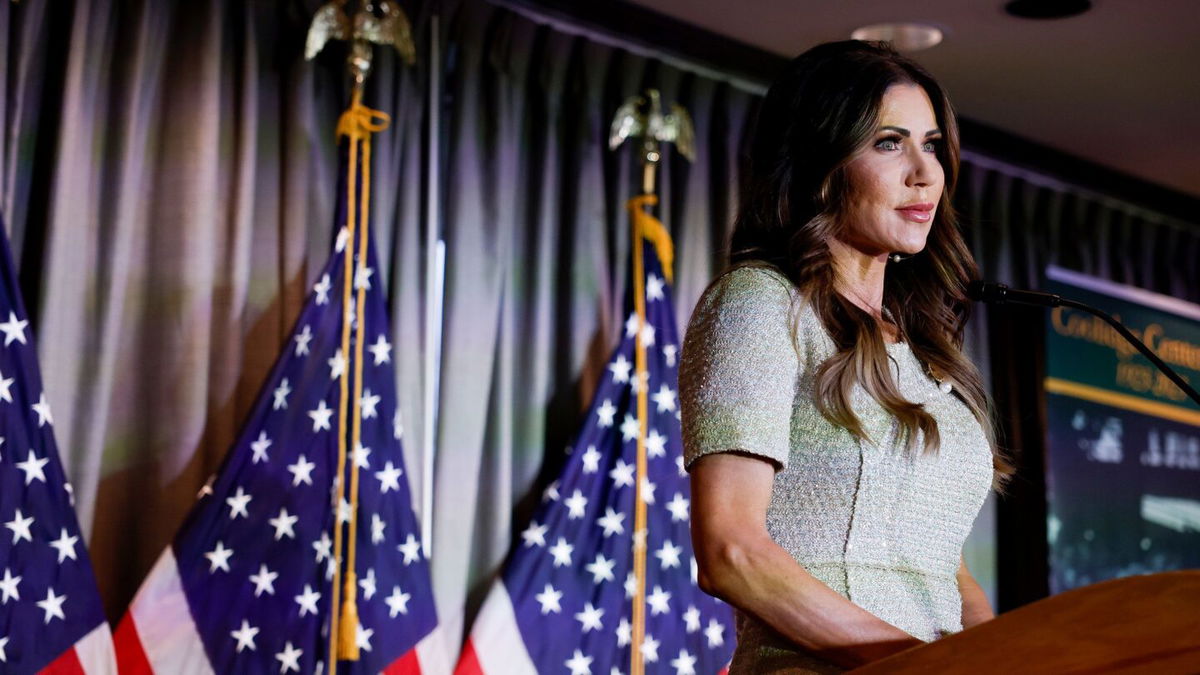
{"x": 930, "y": 146}
{"x": 888, "y": 144}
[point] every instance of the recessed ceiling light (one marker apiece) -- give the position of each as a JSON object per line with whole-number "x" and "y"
{"x": 906, "y": 37}
{"x": 1047, "y": 9}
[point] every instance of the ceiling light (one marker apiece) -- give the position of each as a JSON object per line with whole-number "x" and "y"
{"x": 1047, "y": 9}
{"x": 905, "y": 37}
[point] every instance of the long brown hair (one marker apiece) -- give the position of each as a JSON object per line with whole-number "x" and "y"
{"x": 815, "y": 116}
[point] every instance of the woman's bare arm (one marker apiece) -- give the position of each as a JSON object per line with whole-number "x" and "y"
{"x": 740, "y": 563}
{"x": 975, "y": 606}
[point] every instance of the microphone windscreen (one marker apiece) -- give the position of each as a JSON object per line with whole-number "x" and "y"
{"x": 978, "y": 290}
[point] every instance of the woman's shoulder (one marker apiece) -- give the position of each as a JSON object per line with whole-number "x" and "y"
{"x": 749, "y": 304}
{"x": 755, "y": 286}
{"x": 755, "y": 301}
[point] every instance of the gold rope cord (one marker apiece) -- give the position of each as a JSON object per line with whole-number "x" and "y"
{"x": 357, "y": 123}
{"x": 349, "y": 623}
{"x": 344, "y": 385}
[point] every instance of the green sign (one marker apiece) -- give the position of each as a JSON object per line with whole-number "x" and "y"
{"x": 1092, "y": 361}
{"x": 1123, "y": 441}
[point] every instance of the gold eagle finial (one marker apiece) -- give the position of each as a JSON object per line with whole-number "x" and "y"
{"x": 652, "y": 125}
{"x": 643, "y": 117}
{"x": 377, "y": 21}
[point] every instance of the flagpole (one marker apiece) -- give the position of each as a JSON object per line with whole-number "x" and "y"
{"x": 653, "y": 127}
{"x": 639, "y": 529}
{"x": 435, "y": 275}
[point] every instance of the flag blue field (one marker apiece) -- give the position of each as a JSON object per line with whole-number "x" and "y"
{"x": 50, "y": 611}
{"x": 564, "y": 601}
{"x": 247, "y": 584}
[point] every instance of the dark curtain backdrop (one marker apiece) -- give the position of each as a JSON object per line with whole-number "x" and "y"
{"x": 167, "y": 173}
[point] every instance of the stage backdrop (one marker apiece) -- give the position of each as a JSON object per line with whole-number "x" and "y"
{"x": 1123, "y": 441}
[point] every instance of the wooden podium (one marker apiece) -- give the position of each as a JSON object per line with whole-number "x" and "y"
{"x": 1143, "y": 624}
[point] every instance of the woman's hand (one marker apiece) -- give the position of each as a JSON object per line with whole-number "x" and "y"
{"x": 740, "y": 563}
{"x": 975, "y": 606}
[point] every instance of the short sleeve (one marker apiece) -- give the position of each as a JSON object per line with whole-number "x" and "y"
{"x": 739, "y": 368}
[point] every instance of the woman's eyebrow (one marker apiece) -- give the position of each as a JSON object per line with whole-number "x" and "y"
{"x": 906, "y": 133}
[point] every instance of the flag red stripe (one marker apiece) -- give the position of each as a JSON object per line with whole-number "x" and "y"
{"x": 468, "y": 663}
{"x": 67, "y": 663}
{"x": 408, "y": 664}
{"x": 131, "y": 657}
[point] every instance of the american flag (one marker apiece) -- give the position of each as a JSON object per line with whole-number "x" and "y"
{"x": 564, "y": 601}
{"x": 50, "y": 611}
{"x": 247, "y": 584}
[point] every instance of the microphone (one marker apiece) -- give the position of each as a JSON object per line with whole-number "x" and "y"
{"x": 999, "y": 294}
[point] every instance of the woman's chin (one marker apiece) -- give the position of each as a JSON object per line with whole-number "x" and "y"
{"x": 910, "y": 247}
{"x": 910, "y": 241}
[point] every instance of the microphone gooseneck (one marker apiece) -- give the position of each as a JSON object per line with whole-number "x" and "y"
{"x": 999, "y": 294}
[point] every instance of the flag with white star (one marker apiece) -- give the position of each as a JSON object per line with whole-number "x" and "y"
{"x": 248, "y": 584}
{"x": 563, "y": 603}
{"x": 50, "y": 612}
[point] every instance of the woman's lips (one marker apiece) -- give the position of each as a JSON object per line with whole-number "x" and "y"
{"x": 917, "y": 213}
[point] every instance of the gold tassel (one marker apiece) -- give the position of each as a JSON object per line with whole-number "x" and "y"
{"x": 348, "y": 623}
{"x": 654, "y": 231}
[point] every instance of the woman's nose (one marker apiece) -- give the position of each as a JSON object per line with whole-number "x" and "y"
{"x": 923, "y": 169}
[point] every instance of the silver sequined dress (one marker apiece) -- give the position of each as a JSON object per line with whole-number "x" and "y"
{"x": 884, "y": 530}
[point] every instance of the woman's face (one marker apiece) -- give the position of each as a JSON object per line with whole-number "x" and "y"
{"x": 895, "y": 179}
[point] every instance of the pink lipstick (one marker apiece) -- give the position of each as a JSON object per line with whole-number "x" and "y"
{"x": 917, "y": 213}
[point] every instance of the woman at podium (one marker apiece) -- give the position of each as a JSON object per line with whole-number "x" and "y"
{"x": 837, "y": 436}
